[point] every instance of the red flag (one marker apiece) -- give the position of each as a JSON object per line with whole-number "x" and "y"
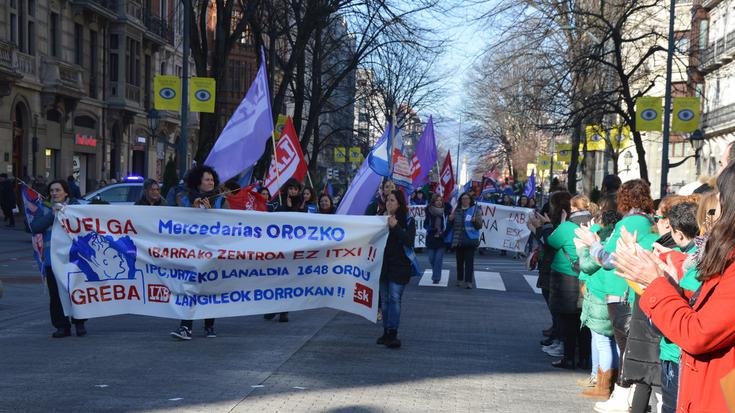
{"x": 446, "y": 178}
{"x": 415, "y": 167}
{"x": 248, "y": 199}
{"x": 289, "y": 159}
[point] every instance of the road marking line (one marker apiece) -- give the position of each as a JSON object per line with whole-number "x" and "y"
{"x": 487, "y": 280}
{"x": 426, "y": 279}
{"x": 532, "y": 280}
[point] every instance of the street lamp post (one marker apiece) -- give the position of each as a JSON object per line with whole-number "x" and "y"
{"x": 667, "y": 102}
{"x": 627, "y": 160}
{"x": 154, "y": 122}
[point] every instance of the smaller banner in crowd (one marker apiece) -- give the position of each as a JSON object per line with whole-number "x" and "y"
{"x": 402, "y": 175}
{"x": 190, "y": 263}
{"x": 503, "y": 227}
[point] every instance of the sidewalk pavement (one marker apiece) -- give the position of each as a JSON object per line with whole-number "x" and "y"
{"x": 463, "y": 351}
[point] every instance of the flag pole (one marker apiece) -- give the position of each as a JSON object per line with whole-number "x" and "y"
{"x": 278, "y": 172}
{"x": 392, "y": 140}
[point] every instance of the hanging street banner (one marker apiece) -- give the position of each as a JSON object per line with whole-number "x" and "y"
{"x": 649, "y": 114}
{"x": 202, "y": 94}
{"x": 595, "y": 138}
{"x": 206, "y": 263}
{"x": 544, "y": 162}
{"x": 686, "y": 115}
{"x": 340, "y": 154}
{"x": 503, "y": 227}
{"x": 620, "y": 137}
{"x": 355, "y": 155}
{"x": 564, "y": 152}
{"x": 167, "y": 92}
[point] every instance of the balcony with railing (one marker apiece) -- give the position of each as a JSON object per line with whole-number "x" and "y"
{"x": 720, "y": 52}
{"x": 62, "y": 78}
{"x": 106, "y": 8}
{"x": 7, "y": 50}
{"x": 719, "y": 120}
{"x": 15, "y": 64}
{"x": 132, "y": 94}
{"x": 158, "y": 30}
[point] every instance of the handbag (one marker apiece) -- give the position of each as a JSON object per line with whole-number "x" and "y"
{"x": 575, "y": 264}
{"x": 532, "y": 260}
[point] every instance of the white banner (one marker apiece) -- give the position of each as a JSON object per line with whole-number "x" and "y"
{"x": 189, "y": 263}
{"x": 503, "y": 227}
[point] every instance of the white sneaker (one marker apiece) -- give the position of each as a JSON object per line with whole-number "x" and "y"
{"x": 617, "y": 403}
{"x": 554, "y": 350}
{"x": 553, "y": 346}
{"x": 659, "y": 402}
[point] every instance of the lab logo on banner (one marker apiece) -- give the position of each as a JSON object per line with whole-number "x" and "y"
{"x": 103, "y": 258}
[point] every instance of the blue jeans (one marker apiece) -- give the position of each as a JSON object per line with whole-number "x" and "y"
{"x": 436, "y": 259}
{"x": 607, "y": 351}
{"x": 669, "y": 385}
{"x": 390, "y": 304}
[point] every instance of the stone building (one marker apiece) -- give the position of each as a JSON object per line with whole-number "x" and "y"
{"x": 76, "y": 80}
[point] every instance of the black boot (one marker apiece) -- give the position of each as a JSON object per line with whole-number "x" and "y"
{"x": 61, "y": 332}
{"x": 392, "y": 340}
{"x": 81, "y": 330}
{"x": 381, "y": 339}
{"x": 563, "y": 364}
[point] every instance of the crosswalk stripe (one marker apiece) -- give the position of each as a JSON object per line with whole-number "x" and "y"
{"x": 531, "y": 280}
{"x": 426, "y": 279}
{"x": 487, "y": 280}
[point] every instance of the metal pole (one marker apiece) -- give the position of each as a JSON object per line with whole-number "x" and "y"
{"x": 183, "y": 138}
{"x": 551, "y": 161}
{"x": 667, "y": 103}
{"x": 459, "y": 142}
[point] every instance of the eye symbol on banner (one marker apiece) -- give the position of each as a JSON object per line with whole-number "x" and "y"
{"x": 203, "y": 95}
{"x": 595, "y": 138}
{"x": 685, "y": 115}
{"x": 649, "y": 114}
{"x": 167, "y": 93}
{"x": 563, "y": 153}
{"x": 545, "y": 163}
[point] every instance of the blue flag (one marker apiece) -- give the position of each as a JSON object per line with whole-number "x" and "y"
{"x": 530, "y": 189}
{"x": 243, "y": 140}
{"x": 379, "y": 156}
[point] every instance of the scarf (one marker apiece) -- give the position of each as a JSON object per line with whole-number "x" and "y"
{"x": 437, "y": 216}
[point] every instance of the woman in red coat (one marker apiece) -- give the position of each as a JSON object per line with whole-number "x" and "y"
{"x": 704, "y": 325}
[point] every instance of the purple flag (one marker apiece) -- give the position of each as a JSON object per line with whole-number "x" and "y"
{"x": 426, "y": 154}
{"x": 243, "y": 140}
{"x": 530, "y": 190}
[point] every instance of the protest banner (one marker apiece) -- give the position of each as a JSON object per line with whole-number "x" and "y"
{"x": 503, "y": 227}
{"x": 188, "y": 263}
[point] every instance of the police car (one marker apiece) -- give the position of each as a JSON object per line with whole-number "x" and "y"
{"x": 124, "y": 193}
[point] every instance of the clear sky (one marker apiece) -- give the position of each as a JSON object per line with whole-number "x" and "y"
{"x": 467, "y": 40}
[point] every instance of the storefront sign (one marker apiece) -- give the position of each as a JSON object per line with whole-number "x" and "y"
{"x": 85, "y": 140}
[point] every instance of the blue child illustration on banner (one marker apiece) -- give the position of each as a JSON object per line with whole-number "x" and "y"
{"x": 102, "y": 258}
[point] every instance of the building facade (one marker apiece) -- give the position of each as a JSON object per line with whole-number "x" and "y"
{"x": 76, "y": 80}
{"x": 717, "y": 66}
